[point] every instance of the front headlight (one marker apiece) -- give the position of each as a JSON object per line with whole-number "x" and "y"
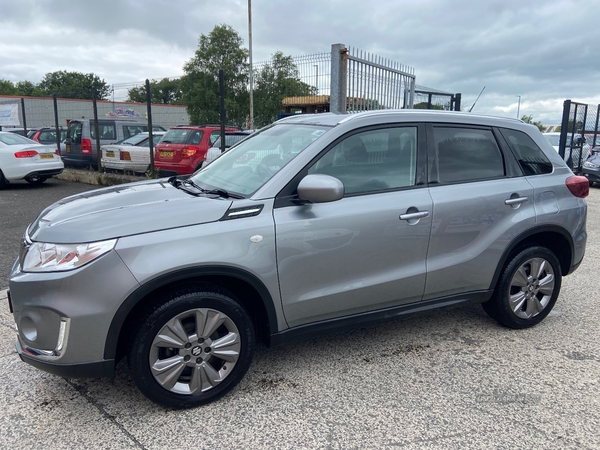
{"x": 42, "y": 257}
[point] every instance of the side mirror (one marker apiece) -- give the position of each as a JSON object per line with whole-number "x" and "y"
{"x": 319, "y": 188}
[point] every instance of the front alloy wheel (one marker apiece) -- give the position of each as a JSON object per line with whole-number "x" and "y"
{"x": 194, "y": 351}
{"x": 192, "y": 347}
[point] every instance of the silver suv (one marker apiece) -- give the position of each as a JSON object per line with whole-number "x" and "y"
{"x": 315, "y": 223}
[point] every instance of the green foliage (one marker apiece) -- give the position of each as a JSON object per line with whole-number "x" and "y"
{"x": 166, "y": 91}
{"x": 423, "y": 105}
{"x": 73, "y": 85}
{"x": 275, "y": 81}
{"x": 529, "y": 119}
{"x": 7, "y": 87}
{"x": 220, "y": 49}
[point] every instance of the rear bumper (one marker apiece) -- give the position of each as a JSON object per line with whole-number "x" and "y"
{"x": 186, "y": 168}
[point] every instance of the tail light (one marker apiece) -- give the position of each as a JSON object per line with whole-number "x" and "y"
{"x": 86, "y": 147}
{"x": 125, "y": 156}
{"x": 26, "y": 154}
{"x": 57, "y": 152}
{"x": 578, "y": 185}
{"x": 188, "y": 152}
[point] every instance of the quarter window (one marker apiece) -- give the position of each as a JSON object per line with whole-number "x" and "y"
{"x": 464, "y": 154}
{"x": 374, "y": 160}
{"x": 531, "y": 158}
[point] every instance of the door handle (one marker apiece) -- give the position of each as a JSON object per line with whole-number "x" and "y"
{"x": 515, "y": 201}
{"x": 414, "y": 215}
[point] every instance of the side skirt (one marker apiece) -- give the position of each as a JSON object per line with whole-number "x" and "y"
{"x": 349, "y": 323}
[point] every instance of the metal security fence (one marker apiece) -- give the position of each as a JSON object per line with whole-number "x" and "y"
{"x": 579, "y": 132}
{"x": 378, "y": 83}
{"x": 349, "y": 80}
{"x": 428, "y": 98}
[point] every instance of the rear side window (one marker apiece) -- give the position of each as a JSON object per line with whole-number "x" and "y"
{"x": 107, "y": 130}
{"x": 531, "y": 158}
{"x": 465, "y": 154}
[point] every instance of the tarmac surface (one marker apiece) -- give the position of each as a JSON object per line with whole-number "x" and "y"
{"x": 443, "y": 380}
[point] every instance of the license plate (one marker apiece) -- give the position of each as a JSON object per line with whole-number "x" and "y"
{"x": 67, "y": 148}
{"x": 110, "y": 154}
{"x": 46, "y": 156}
{"x": 166, "y": 154}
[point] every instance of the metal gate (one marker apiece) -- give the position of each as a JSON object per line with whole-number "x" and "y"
{"x": 578, "y": 133}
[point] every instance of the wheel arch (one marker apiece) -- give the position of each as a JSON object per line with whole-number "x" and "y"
{"x": 554, "y": 238}
{"x": 247, "y": 288}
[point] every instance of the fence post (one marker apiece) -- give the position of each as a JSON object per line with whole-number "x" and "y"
{"x": 96, "y": 130}
{"x": 150, "y": 136}
{"x": 222, "y": 108}
{"x": 564, "y": 128}
{"x": 24, "y": 116}
{"x": 339, "y": 77}
{"x": 55, "y": 103}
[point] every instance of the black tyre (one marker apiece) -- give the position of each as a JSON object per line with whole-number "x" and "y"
{"x": 527, "y": 289}
{"x": 3, "y": 182}
{"x": 36, "y": 180}
{"x": 191, "y": 348}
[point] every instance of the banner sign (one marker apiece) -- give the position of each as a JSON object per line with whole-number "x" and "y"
{"x": 9, "y": 114}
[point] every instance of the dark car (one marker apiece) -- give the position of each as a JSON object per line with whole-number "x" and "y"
{"x": 47, "y": 135}
{"x": 591, "y": 168}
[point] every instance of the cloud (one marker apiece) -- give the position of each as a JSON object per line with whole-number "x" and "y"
{"x": 545, "y": 51}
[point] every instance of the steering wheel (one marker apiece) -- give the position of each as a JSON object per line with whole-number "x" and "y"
{"x": 269, "y": 165}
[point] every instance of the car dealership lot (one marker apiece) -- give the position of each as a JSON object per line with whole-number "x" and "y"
{"x": 450, "y": 378}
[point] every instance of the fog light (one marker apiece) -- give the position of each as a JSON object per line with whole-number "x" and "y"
{"x": 28, "y": 329}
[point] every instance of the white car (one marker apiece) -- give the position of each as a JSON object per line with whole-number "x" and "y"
{"x": 231, "y": 138}
{"x": 132, "y": 154}
{"x": 24, "y": 159}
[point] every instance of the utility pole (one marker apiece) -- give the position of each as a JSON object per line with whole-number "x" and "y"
{"x": 519, "y": 107}
{"x": 251, "y": 70}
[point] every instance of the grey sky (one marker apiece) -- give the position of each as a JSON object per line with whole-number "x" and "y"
{"x": 544, "y": 51}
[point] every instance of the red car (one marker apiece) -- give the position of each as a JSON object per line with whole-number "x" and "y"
{"x": 182, "y": 149}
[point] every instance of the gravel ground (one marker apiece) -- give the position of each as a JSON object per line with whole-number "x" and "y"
{"x": 446, "y": 379}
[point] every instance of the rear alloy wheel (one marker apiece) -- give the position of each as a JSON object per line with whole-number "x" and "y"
{"x": 192, "y": 349}
{"x": 527, "y": 289}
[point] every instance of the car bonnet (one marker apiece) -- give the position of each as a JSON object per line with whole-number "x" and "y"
{"x": 124, "y": 210}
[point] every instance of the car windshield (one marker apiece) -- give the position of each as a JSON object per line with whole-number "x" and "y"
{"x": 135, "y": 140}
{"x": 230, "y": 139}
{"x": 254, "y": 161}
{"x": 15, "y": 139}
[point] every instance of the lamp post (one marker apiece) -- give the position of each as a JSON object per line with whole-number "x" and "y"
{"x": 519, "y": 106}
{"x": 251, "y": 70}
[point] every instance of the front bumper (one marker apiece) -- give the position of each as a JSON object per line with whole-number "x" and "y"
{"x": 63, "y": 318}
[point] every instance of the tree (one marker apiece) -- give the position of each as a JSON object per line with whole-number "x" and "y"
{"x": 423, "y": 105}
{"x": 220, "y": 49}
{"x": 73, "y": 85}
{"x": 28, "y": 89}
{"x": 275, "y": 81}
{"x": 166, "y": 91}
{"x": 7, "y": 87}
{"x": 529, "y": 119}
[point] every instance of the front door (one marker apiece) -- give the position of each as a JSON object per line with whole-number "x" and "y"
{"x": 366, "y": 251}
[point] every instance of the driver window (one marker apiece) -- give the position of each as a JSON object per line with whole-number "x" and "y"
{"x": 371, "y": 161}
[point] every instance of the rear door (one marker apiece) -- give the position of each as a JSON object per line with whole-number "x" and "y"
{"x": 366, "y": 251}
{"x": 481, "y": 202}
